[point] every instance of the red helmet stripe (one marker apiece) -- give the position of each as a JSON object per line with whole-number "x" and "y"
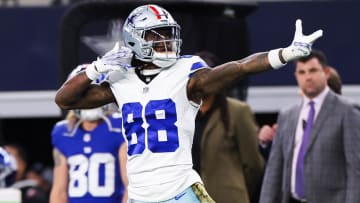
{"x": 155, "y": 11}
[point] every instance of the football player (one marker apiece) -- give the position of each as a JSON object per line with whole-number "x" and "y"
{"x": 89, "y": 157}
{"x": 159, "y": 93}
{"x": 7, "y": 168}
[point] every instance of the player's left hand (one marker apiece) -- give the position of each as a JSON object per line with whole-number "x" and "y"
{"x": 301, "y": 45}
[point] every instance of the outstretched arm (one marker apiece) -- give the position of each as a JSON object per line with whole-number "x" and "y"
{"x": 210, "y": 81}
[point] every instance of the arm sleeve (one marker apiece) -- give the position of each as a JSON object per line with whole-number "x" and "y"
{"x": 57, "y": 134}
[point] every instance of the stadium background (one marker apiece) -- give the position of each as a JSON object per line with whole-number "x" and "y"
{"x": 38, "y": 49}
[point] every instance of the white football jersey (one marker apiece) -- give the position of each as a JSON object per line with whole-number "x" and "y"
{"x": 158, "y": 123}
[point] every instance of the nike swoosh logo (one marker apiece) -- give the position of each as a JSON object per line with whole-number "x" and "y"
{"x": 179, "y": 196}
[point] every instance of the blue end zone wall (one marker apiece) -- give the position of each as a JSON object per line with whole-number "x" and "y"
{"x": 272, "y": 25}
{"x": 29, "y": 48}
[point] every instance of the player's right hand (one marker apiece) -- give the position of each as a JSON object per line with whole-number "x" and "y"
{"x": 117, "y": 59}
{"x": 301, "y": 45}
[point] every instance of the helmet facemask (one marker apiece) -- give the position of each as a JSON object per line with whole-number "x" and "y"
{"x": 162, "y": 45}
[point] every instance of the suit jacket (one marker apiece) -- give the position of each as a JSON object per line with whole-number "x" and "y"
{"x": 231, "y": 165}
{"x": 332, "y": 159}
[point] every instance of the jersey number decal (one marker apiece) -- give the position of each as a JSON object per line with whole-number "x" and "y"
{"x": 159, "y": 125}
{"x": 85, "y": 172}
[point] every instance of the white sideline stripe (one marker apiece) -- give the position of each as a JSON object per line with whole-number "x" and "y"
{"x": 22, "y": 104}
{"x": 10, "y": 195}
{"x": 269, "y": 99}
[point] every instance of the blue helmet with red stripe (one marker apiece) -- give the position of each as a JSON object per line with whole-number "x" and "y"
{"x": 153, "y": 35}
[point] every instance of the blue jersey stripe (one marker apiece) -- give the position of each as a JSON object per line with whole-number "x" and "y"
{"x": 198, "y": 65}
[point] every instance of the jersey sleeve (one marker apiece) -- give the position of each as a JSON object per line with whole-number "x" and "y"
{"x": 57, "y": 135}
{"x": 196, "y": 64}
{"x": 116, "y": 122}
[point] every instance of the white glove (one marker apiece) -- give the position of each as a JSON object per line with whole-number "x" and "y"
{"x": 117, "y": 59}
{"x": 300, "y": 47}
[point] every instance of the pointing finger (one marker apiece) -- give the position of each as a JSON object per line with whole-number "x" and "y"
{"x": 298, "y": 28}
{"x": 116, "y": 46}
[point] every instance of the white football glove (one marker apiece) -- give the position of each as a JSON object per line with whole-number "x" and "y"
{"x": 118, "y": 59}
{"x": 300, "y": 47}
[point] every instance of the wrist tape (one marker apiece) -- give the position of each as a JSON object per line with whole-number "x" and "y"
{"x": 274, "y": 59}
{"x": 91, "y": 72}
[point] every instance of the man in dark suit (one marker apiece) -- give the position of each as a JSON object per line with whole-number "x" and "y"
{"x": 315, "y": 156}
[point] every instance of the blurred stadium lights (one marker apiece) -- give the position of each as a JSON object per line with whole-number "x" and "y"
{"x": 9, "y": 3}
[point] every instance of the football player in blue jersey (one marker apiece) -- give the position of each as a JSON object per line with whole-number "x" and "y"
{"x": 89, "y": 157}
{"x": 7, "y": 168}
{"x": 159, "y": 93}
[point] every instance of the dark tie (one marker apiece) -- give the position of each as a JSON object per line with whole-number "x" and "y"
{"x": 299, "y": 180}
